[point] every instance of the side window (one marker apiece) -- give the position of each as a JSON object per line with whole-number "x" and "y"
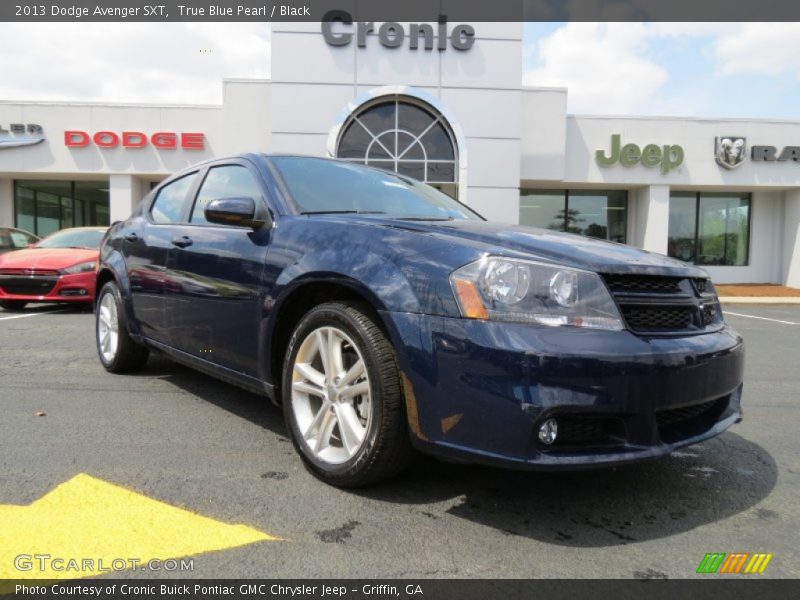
{"x": 168, "y": 207}
{"x": 230, "y": 181}
{"x": 20, "y": 240}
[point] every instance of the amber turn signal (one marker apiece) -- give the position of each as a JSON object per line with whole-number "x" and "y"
{"x": 470, "y": 300}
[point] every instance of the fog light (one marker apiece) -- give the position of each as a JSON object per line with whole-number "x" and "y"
{"x": 548, "y": 431}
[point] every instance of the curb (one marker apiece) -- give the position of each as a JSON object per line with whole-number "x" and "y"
{"x": 760, "y": 300}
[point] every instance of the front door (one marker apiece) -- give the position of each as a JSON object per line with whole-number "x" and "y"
{"x": 215, "y": 273}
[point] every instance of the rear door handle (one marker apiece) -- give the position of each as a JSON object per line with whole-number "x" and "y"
{"x": 132, "y": 237}
{"x": 182, "y": 241}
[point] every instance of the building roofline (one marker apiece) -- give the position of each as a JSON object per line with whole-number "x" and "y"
{"x": 246, "y": 80}
{"x": 544, "y": 88}
{"x": 104, "y": 104}
{"x": 684, "y": 118}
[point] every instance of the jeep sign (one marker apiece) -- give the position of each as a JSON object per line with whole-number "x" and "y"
{"x": 668, "y": 157}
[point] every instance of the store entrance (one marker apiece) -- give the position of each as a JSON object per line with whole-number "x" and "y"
{"x": 42, "y": 206}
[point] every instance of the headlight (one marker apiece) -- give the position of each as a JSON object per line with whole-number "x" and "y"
{"x": 83, "y": 267}
{"x": 524, "y": 291}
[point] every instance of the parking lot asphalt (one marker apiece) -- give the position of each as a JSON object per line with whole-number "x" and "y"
{"x": 169, "y": 445}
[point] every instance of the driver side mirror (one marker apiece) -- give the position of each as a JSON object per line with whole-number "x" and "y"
{"x": 240, "y": 211}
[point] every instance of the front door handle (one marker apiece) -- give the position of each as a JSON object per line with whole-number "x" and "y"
{"x": 182, "y": 241}
{"x": 132, "y": 238}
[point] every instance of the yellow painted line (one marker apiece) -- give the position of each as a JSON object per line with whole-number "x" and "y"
{"x": 88, "y": 518}
{"x": 763, "y": 566}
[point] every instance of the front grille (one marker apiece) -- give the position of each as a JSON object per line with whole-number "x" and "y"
{"x": 18, "y": 285}
{"x": 664, "y": 305}
{"x": 658, "y": 318}
{"x": 643, "y": 284}
{"x": 678, "y": 423}
{"x": 30, "y": 272}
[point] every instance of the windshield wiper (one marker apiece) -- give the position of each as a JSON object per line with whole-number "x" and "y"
{"x": 342, "y": 212}
{"x": 426, "y": 218}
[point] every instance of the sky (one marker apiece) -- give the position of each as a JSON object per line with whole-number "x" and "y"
{"x": 748, "y": 70}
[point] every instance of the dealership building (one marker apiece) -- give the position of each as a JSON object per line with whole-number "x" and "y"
{"x": 444, "y": 103}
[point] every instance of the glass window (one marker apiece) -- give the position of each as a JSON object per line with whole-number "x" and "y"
{"x": 319, "y": 185}
{"x": 542, "y": 208}
{"x": 25, "y": 208}
{"x": 232, "y": 181}
{"x": 43, "y": 207}
{"x": 682, "y": 226}
{"x": 48, "y": 213}
{"x": 602, "y": 215}
{"x": 91, "y": 203}
{"x": 20, "y": 239}
{"x": 168, "y": 207}
{"x": 599, "y": 214}
{"x": 710, "y": 228}
{"x": 403, "y": 136}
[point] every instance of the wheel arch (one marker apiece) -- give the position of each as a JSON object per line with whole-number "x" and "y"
{"x": 301, "y": 297}
{"x": 112, "y": 268}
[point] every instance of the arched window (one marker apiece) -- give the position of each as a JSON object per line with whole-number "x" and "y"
{"x": 403, "y": 135}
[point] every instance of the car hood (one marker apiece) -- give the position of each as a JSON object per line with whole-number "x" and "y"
{"x": 551, "y": 246}
{"x": 46, "y": 258}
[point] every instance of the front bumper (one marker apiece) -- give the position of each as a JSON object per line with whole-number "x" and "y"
{"x": 478, "y": 390}
{"x": 48, "y": 288}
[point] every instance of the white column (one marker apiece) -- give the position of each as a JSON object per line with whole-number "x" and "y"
{"x": 6, "y": 202}
{"x": 791, "y": 239}
{"x": 124, "y": 193}
{"x": 651, "y": 220}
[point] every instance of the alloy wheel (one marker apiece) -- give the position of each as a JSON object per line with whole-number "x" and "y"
{"x": 331, "y": 395}
{"x": 108, "y": 327}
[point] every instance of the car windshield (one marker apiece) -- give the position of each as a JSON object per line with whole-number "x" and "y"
{"x": 325, "y": 186}
{"x": 73, "y": 238}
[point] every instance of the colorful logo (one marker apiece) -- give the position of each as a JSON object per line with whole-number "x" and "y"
{"x": 735, "y": 562}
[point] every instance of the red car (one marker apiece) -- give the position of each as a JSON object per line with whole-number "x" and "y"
{"x": 59, "y": 268}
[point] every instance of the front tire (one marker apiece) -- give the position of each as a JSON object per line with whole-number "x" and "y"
{"x": 13, "y": 305}
{"x": 342, "y": 397}
{"x": 117, "y": 351}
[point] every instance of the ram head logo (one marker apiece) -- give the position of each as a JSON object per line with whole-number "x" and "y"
{"x": 730, "y": 151}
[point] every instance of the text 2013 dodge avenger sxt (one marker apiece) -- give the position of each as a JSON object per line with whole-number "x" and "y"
{"x": 385, "y": 316}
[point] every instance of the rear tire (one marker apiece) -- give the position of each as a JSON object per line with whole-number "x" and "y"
{"x": 13, "y": 305}
{"x": 117, "y": 351}
{"x": 346, "y": 414}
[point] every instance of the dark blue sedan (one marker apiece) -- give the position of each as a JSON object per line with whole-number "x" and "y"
{"x": 385, "y": 317}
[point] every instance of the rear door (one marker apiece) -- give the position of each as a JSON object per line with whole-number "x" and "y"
{"x": 216, "y": 304}
{"x": 146, "y": 246}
